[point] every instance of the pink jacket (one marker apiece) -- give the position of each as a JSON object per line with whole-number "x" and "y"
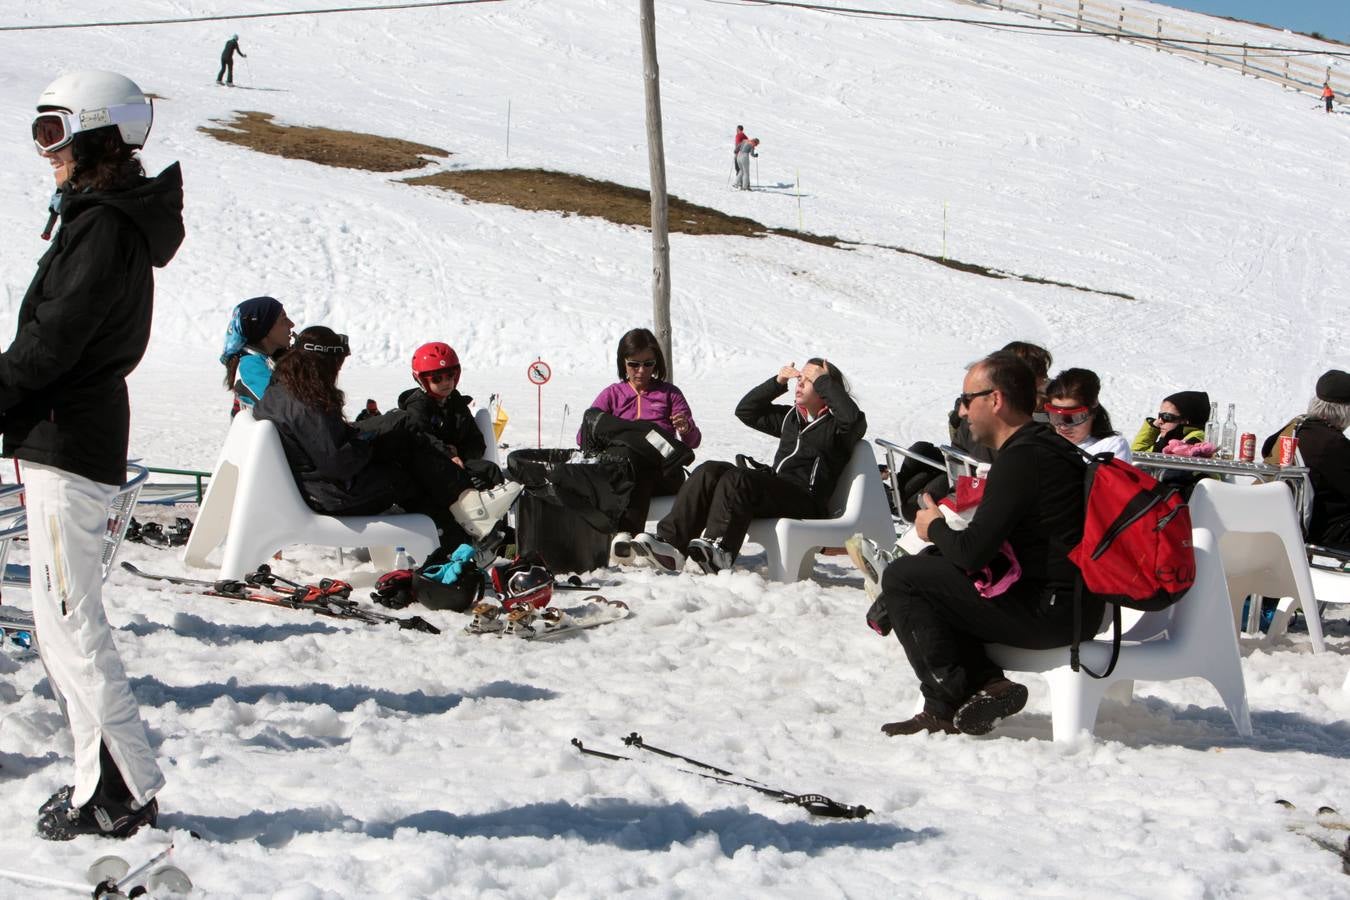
{"x": 656, "y": 404}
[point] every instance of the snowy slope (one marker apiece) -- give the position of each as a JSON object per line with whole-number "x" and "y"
{"x": 320, "y": 762}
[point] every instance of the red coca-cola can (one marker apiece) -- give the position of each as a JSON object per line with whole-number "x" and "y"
{"x": 1247, "y": 447}
{"x": 1288, "y": 447}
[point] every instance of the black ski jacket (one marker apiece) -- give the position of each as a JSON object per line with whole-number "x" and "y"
{"x": 811, "y": 454}
{"x": 333, "y": 461}
{"x": 1326, "y": 451}
{"x": 83, "y": 327}
{"x": 449, "y": 421}
{"x": 1034, "y": 500}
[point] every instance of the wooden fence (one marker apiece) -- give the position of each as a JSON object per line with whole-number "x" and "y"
{"x": 1126, "y": 24}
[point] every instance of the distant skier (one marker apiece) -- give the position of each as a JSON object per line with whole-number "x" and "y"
{"x": 1328, "y": 94}
{"x": 740, "y": 138}
{"x": 227, "y": 59}
{"x": 744, "y": 150}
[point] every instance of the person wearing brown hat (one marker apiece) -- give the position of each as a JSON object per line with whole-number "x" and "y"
{"x": 1326, "y": 452}
{"x": 1181, "y": 417}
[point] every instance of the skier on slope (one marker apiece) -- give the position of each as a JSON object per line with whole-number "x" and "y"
{"x": 1328, "y": 94}
{"x": 227, "y": 59}
{"x": 743, "y": 154}
{"x": 82, "y": 328}
{"x": 740, "y": 138}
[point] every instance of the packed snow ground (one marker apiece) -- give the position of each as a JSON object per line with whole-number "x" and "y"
{"x": 324, "y": 761}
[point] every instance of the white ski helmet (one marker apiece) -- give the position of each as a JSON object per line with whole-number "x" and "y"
{"x": 83, "y": 101}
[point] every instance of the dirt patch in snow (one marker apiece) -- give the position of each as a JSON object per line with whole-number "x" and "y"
{"x": 326, "y": 146}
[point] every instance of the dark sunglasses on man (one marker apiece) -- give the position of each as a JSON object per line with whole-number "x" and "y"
{"x": 636, "y": 364}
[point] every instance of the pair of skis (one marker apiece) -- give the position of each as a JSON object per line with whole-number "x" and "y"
{"x": 815, "y": 804}
{"x": 330, "y": 598}
{"x": 113, "y": 876}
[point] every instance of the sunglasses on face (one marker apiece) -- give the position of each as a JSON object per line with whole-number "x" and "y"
{"x": 450, "y": 374}
{"x": 1169, "y": 418}
{"x": 1067, "y": 416}
{"x": 636, "y": 364}
{"x": 967, "y": 398}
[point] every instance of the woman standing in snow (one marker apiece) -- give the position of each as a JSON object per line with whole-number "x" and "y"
{"x": 1077, "y": 417}
{"x": 83, "y": 326}
{"x": 259, "y": 332}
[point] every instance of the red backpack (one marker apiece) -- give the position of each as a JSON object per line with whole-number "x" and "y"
{"x": 1136, "y": 547}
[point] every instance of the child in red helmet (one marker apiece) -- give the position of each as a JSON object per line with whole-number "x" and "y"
{"x": 437, "y": 407}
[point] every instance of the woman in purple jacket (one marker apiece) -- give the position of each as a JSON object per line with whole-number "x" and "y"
{"x": 643, "y": 394}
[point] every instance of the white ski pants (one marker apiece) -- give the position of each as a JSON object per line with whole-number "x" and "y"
{"x": 67, "y": 516}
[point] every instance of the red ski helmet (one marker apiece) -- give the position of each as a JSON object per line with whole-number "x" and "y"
{"x": 433, "y": 357}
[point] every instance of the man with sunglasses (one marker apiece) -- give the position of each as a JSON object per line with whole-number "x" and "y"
{"x": 83, "y": 326}
{"x": 1033, "y": 504}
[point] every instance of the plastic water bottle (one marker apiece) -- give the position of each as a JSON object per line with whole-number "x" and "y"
{"x": 1229, "y": 442}
{"x": 401, "y": 560}
{"x": 1212, "y": 427}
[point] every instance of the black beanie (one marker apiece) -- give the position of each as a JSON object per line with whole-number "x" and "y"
{"x": 1334, "y": 386}
{"x": 257, "y": 316}
{"x": 1193, "y": 406}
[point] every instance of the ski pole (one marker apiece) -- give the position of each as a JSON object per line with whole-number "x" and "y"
{"x": 562, "y": 429}
{"x": 815, "y": 804}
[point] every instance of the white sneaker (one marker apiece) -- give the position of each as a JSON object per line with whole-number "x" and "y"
{"x": 621, "y": 552}
{"x": 870, "y": 560}
{"x": 478, "y": 511}
{"x": 710, "y": 555}
{"x": 662, "y": 555}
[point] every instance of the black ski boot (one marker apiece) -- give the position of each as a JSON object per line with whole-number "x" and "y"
{"x": 63, "y": 822}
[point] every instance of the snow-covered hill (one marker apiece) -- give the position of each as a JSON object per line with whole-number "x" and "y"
{"x": 319, "y": 762}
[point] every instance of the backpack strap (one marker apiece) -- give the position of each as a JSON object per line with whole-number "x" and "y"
{"x": 1075, "y": 662}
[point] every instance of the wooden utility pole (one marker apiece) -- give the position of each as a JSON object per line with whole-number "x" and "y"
{"x": 656, "y": 161}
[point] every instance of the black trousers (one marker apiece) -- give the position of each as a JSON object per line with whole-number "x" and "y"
{"x": 226, "y": 66}
{"x": 720, "y": 499}
{"x": 646, "y": 485}
{"x": 943, "y": 624}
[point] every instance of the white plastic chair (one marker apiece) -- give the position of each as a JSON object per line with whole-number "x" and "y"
{"x": 860, "y": 498}
{"x": 1194, "y": 637}
{"x": 1263, "y": 552}
{"x": 254, "y": 507}
{"x": 791, "y": 544}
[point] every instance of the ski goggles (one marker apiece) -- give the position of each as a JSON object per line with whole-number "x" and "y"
{"x": 1067, "y": 416}
{"x": 55, "y": 128}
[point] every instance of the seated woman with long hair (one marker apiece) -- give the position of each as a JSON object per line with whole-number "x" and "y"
{"x": 345, "y": 470}
{"x": 643, "y": 395}
{"x": 1078, "y": 417}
